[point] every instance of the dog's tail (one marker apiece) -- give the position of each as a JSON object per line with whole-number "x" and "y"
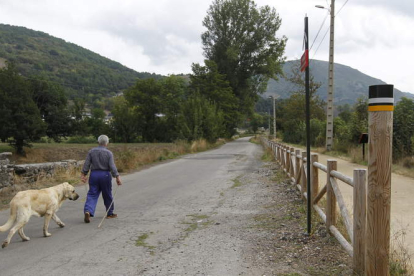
{"x": 10, "y": 221}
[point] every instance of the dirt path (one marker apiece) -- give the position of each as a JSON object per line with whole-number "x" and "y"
{"x": 402, "y": 197}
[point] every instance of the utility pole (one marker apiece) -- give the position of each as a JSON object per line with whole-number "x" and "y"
{"x": 270, "y": 114}
{"x": 330, "y": 99}
{"x": 274, "y": 114}
{"x": 330, "y": 107}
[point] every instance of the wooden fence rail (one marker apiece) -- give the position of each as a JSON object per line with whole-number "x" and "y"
{"x": 293, "y": 163}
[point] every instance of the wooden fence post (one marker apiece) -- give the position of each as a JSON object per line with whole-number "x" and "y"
{"x": 330, "y": 195}
{"x": 360, "y": 218}
{"x": 279, "y": 150}
{"x": 282, "y": 150}
{"x": 287, "y": 160}
{"x": 303, "y": 178}
{"x": 292, "y": 168}
{"x": 314, "y": 176}
{"x": 297, "y": 165}
{"x": 380, "y": 120}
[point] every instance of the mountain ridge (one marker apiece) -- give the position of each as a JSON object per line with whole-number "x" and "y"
{"x": 349, "y": 83}
{"x": 79, "y": 70}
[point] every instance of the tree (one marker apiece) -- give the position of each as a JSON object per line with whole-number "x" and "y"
{"x": 157, "y": 104}
{"x": 52, "y": 103}
{"x": 124, "y": 123}
{"x": 403, "y": 128}
{"x": 241, "y": 40}
{"x": 207, "y": 81}
{"x": 359, "y": 119}
{"x": 96, "y": 124}
{"x": 173, "y": 93}
{"x": 20, "y": 121}
{"x": 294, "y": 109}
{"x": 79, "y": 124}
{"x": 200, "y": 118}
{"x": 256, "y": 122}
{"x": 145, "y": 96}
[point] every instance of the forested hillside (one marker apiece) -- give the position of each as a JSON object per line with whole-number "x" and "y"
{"x": 83, "y": 73}
{"x": 350, "y": 84}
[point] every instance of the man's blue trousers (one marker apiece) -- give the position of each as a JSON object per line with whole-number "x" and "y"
{"x": 99, "y": 181}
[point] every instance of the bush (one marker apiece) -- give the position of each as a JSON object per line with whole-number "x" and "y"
{"x": 82, "y": 140}
{"x": 408, "y": 162}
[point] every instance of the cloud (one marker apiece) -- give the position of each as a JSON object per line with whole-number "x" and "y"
{"x": 163, "y": 30}
{"x": 163, "y": 36}
{"x": 401, "y": 6}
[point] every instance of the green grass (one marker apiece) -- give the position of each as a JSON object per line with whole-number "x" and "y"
{"x": 236, "y": 183}
{"x": 267, "y": 156}
{"x": 195, "y": 223}
{"x": 141, "y": 241}
{"x": 5, "y": 147}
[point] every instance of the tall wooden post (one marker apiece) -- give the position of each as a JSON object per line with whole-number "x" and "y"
{"x": 330, "y": 195}
{"x": 380, "y": 117}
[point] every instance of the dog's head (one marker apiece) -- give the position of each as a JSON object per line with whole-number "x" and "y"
{"x": 69, "y": 191}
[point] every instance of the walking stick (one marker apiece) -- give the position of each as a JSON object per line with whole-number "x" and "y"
{"x": 106, "y": 214}
{"x": 86, "y": 190}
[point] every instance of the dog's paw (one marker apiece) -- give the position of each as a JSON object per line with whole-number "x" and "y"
{"x": 61, "y": 224}
{"x": 26, "y": 239}
{"x": 5, "y": 244}
{"x": 47, "y": 234}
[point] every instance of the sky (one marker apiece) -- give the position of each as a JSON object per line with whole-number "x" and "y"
{"x": 164, "y": 36}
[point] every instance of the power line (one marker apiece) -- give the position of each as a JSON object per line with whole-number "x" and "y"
{"x": 326, "y": 30}
{"x": 341, "y": 7}
{"x": 318, "y": 31}
{"x": 320, "y": 42}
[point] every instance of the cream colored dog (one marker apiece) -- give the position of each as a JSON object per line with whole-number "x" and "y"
{"x": 44, "y": 202}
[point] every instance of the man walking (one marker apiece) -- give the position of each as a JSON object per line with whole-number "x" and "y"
{"x": 100, "y": 161}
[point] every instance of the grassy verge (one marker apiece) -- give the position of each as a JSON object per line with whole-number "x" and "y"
{"x": 400, "y": 256}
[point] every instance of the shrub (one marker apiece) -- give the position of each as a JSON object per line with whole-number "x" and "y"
{"x": 82, "y": 140}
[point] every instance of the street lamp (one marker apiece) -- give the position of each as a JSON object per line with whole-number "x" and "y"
{"x": 330, "y": 107}
{"x": 274, "y": 114}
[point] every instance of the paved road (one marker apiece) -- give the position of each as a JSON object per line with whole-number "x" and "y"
{"x": 165, "y": 202}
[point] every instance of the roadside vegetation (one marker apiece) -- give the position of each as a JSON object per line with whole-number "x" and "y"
{"x": 351, "y": 121}
{"x": 208, "y": 104}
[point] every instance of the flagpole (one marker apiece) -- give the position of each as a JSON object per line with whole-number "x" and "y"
{"x": 308, "y": 160}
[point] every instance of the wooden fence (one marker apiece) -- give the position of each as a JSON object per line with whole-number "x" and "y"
{"x": 293, "y": 162}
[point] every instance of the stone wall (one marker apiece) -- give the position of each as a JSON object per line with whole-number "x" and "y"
{"x": 30, "y": 173}
{"x": 6, "y": 173}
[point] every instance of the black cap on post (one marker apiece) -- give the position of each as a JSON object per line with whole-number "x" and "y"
{"x": 381, "y": 97}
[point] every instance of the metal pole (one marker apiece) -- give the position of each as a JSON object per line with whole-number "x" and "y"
{"x": 308, "y": 153}
{"x": 274, "y": 117}
{"x": 330, "y": 106}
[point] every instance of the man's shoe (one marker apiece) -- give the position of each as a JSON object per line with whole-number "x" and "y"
{"x": 112, "y": 216}
{"x": 87, "y": 218}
